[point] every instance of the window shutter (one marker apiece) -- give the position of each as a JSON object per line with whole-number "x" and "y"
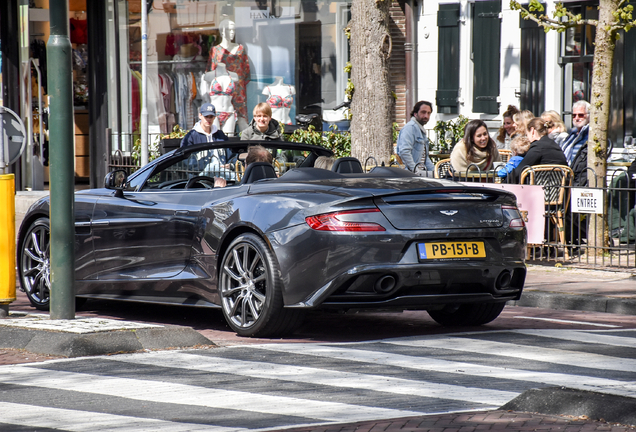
{"x": 532, "y": 64}
{"x": 485, "y": 55}
{"x": 448, "y": 59}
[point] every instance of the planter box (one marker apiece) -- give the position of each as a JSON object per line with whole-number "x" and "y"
{"x": 169, "y": 144}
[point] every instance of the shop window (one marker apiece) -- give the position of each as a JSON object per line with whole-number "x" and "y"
{"x": 577, "y": 51}
{"x": 235, "y": 55}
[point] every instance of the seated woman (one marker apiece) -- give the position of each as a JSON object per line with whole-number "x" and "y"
{"x": 262, "y": 127}
{"x": 477, "y": 151}
{"x": 507, "y": 129}
{"x": 543, "y": 150}
{"x": 558, "y": 132}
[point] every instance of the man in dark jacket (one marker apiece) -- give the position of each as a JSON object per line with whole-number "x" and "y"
{"x": 219, "y": 161}
{"x": 205, "y": 130}
{"x": 580, "y": 128}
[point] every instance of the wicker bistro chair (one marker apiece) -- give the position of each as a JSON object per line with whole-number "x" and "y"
{"x": 505, "y": 155}
{"x": 443, "y": 168}
{"x": 556, "y": 181}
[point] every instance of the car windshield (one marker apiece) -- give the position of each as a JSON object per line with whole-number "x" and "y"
{"x": 227, "y": 163}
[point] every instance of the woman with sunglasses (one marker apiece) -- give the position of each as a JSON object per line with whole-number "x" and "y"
{"x": 543, "y": 150}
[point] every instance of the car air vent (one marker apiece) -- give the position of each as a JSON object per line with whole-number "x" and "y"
{"x": 439, "y": 196}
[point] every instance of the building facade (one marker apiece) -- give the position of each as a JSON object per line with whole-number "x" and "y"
{"x": 477, "y": 57}
{"x": 467, "y": 57}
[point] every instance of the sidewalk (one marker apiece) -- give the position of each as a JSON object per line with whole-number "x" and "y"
{"x": 566, "y": 288}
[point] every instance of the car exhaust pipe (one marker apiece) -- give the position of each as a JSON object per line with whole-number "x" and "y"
{"x": 384, "y": 284}
{"x": 503, "y": 280}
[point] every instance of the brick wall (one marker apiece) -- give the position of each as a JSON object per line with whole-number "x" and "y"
{"x": 397, "y": 62}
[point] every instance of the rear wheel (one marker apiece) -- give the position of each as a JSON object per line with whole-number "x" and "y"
{"x": 251, "y": 290}
{"x": 34, "y": 264}
{"x": 467, "y": 314}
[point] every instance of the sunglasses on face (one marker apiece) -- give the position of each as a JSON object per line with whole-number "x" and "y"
{"x": 577, "y": 115}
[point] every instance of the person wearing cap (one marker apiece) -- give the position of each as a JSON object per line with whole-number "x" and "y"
{"x": 204, "y": 130}
{"x": 220, "y": 162}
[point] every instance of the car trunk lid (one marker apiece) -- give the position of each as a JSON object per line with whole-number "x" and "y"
{"x": 442, "y": 209}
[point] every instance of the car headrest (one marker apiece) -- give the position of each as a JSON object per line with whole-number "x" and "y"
{"x": 347, "y": 165}
{"x": 258, "y": 171}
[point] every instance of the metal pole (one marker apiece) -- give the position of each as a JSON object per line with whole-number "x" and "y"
{"x": 59, "y": 53}
{"x": 144, "y": 83}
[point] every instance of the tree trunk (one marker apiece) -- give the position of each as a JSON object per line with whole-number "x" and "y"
{"x": 597, "y": 154}
{"x": 372, "y": 103}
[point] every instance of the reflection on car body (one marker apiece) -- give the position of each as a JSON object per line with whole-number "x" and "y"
{"x": 265, "y": 252}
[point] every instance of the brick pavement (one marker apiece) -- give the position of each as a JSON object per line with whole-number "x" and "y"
{"x": 477, "y": 421}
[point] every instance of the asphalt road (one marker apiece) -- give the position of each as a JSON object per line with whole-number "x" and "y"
{"x": 323, "y": 385}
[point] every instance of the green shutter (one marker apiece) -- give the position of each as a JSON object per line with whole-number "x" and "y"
{"x": 448, "y": 59}
{"x": 485, "y": 55}
{"x": 532, "y": 65}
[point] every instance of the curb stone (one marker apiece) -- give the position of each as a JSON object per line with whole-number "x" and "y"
{"x": 567, "y": 401}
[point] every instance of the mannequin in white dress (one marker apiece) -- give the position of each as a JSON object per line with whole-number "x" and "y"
{"x": 280, "y": 97}
{"x": 222, "y": 88}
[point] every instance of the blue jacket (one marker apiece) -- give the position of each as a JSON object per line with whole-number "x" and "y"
{"x": 411, "y": 143}
{"x": 573, "y": 143}
{"x": 513, "y": 163}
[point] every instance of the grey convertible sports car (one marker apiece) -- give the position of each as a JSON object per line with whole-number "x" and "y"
{"x": 281, "y": 239}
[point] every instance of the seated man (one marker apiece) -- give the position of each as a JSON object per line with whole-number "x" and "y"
{"x": 258, "y": 153}
{"x": 575, "y": 145}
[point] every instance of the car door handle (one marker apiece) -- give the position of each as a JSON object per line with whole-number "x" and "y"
{"x": 181, "y": 213}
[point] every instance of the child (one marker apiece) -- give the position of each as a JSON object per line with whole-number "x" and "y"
{"x": 519, "y": 146}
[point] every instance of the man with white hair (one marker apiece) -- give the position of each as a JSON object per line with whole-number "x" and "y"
{"x": 578, "y": 135}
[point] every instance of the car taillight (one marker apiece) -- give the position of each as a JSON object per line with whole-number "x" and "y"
{"x": 331, "y": 222}
{"x": 514, "y": 216}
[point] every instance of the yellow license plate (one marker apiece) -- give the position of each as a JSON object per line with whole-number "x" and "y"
{"x": 446, "y": 250}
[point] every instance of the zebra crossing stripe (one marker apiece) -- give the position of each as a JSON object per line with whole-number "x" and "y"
{"x": 525, "y": 352}
{"x": 326, "y": 377}
{"x": 163, "y": 392}
{"x": 452, "y": 367}
{"x": 84, "y": 421}
{"x": 597, "y": 337}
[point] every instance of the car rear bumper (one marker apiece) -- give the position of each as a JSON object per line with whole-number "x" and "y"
{"x": 420, "y": 286}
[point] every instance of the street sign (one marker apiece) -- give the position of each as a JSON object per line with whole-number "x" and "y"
{"x": 12, "y": 136}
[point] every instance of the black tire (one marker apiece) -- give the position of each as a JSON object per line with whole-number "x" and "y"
{"x": 251, "y": 290}
{"x": 34, "y": 264}
{"x": 467, "y": 314}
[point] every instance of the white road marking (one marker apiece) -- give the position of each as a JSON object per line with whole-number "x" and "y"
{"x": 583, "y": 336}
{"x": 87, "y": 421}
{"x": 163, "y": 392}
{"x": 461, "y": 368}
{"x": 526, "y": 352}
{"x": 326, "y": 377}
{"x": 568, "y": 321}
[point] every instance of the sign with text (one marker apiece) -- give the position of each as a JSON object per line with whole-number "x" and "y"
{"x": 530, "y": 201}
{"x": 587, "y": 200}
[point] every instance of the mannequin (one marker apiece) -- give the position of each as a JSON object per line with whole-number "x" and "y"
{"x": 281, "y": 98}
{"x": 222, "y": 88}
{"x": 235, "y": 59}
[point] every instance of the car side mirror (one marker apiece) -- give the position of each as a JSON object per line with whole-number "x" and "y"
{"x": 116, "y": 180}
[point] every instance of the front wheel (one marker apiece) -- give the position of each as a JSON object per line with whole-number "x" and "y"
{"x": 34, "y": 264}
{"x": 251, "y": 290}
{"x": 467, "y": 314}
